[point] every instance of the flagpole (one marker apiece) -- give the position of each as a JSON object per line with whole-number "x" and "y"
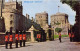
{"x": 58, "y": 8}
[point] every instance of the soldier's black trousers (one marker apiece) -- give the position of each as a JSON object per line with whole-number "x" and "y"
{"x": 20, "y": 43}
{"x": 6, "y": 45}
{"x": 10, "y": 45}
{"x": 16, "y": 43}
{"x": 24, "y": 42}
{"x": 70, "y": 39}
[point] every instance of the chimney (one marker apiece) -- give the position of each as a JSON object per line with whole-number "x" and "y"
{"x": 27, "y": 16}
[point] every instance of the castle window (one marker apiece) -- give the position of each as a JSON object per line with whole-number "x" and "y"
{"x": 11, "y": 22}
{"x": 11, "y": 15}
{"x": 11, "y": 28}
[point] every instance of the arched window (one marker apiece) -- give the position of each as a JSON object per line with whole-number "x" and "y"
{"x": 11, "y": 28}
{"x": 11, "y": 15}
{"x": 11, "y": 22}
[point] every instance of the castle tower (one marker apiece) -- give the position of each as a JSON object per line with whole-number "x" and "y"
{"x": 42, "y": 19}
{"x": 12, "y": 14}
{"x": 60, "y": 20}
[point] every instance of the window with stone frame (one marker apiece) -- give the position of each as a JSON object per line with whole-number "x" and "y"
{"x": 11, "y": 28}
{"x": 11, "y": 22}
{"x": 11, "y": 15}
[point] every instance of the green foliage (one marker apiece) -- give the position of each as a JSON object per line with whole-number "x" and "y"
{"x": 57, "y": 36}
{"x": 57, "y": 23}
{"x": 73, "y": 3}
{"x": 58, "y": 30}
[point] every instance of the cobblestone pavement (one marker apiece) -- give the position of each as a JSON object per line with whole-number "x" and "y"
{"x": 48, "y": 46}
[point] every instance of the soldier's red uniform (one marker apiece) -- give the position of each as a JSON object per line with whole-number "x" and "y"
{"x": 16, "y": 37}
{"x": 38, "y": 36}
{"x": 6, "y": 41}
{"x": 24, "y": 39}
{"x": 10, "y": 38}
{"x": 20, "y": 37}
{"x": 69, "y": 34}
{"x": 72, "y": 35}
{"x": 60, "y": 37}
{"x": 24, "y": 36}
{"x": 6, "y": 38}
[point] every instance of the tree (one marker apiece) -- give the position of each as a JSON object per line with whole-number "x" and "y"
{"x": 75, "y": 5}
{"x": 58, "y": 30}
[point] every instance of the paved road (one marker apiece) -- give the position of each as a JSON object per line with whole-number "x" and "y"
{"x": 48, "y": 46}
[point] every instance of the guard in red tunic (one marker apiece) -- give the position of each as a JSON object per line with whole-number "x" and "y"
{"x": 60, "y": 36}
{"x": 38, "y": 37}
{"x": 16, "y": 38}
{"x": 72, "y": 36}
{"x": 24, "y": 38}
{"x": 6, "y": 40}
{"x": 20, "y": 38}
{"x": 10, "y": 39}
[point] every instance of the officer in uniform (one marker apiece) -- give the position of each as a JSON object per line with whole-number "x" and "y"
{"x": 10, "y": 39}
{"x": 6, "y": 40}
{"x": 38, "y": 37}
{"x": 70, "y": 36}
{"x": 60, "y": 36}
{"x": 16, "y": 38}
{"x": 20, "y": 38}
{"x": 24, "y": 38}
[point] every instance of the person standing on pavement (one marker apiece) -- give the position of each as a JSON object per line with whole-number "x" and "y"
{"x": 38, "y": 37}
{"x": 20, "y": 38}
{"x": 10, "y": 39}
{"x": 60, "y": 36}
{"x": 70, "y": 36}
{"x": 24, "y": 38}
{"x": 16, "y": 38}
{"x": 6, "y": 40}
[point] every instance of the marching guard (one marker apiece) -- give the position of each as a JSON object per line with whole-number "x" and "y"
{"x": 70, "y": 37}
{"x": 38, "y": 37}
{"x": 16, "y": 38}
{"x": 20, "y": 38}
{"x": 6, "y": 40}
{"x": 10, "y": 39}
{"x": 24, "y": 38}
{"x": 60, "y": 36}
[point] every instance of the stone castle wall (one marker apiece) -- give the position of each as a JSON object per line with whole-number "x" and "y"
{"x": 61, "y": 18}
{"x": 42, "y": 19}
